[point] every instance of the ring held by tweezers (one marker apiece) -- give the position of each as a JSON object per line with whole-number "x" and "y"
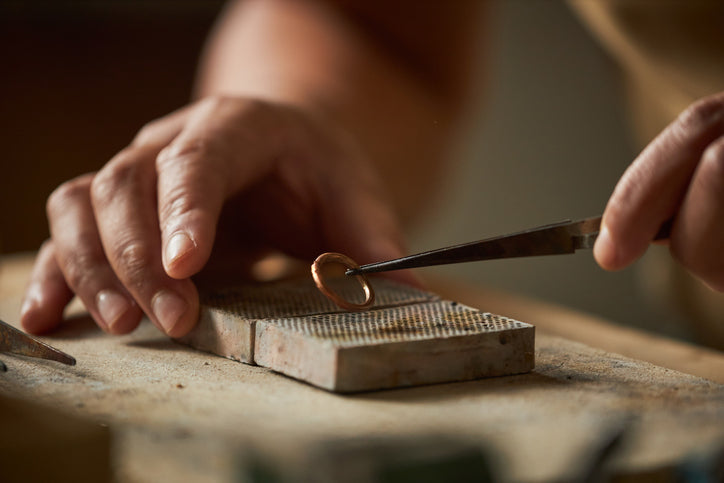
{"x": 344, "y": 260}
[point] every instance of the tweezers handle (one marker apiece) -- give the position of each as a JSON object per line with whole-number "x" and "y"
{"x": 587, "y": 240}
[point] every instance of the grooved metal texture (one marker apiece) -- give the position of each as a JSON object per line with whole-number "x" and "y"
{"x": 433, "y": 320}
{"x": 301, "y": 298}
{"x": 407, "y": 338}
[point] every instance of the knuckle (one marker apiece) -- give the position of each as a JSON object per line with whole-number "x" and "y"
{"x": 102, "y": 188}
{"x": 214, "y": 102}
{"x": 703, "y": 113}
{"x": 179, "y": 201}
{"x": 262, "y": 112}
{"x": 222, "y": 101}
{"x": 115, "y": 175}
{"x": 132, "y": 261}
{"x": 257, "y": 107}
{"x": 238, "y": 109}
{"x": 241, "y": 114}
{"x": 67, "y": 193}
{"x": 201, "y": 147}
{"x": 79, "y": 268}
{"x": 147, "y": 133}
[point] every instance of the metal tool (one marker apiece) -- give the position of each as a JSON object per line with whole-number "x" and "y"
{"x": 14, "y": 341}
{"x": 556, "y": 239}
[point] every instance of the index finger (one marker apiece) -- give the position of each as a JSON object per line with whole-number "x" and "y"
{"x": 225, "y": 146}
{"x": 653, "y": 187}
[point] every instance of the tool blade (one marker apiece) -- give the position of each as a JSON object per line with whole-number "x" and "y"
{"x": 14, "y": 341}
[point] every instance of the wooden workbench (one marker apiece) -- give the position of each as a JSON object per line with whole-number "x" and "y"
{"x": 181, "y": 415}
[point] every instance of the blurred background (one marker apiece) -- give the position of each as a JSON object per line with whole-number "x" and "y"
{"x": 79, "y": 78}
{"x": 546, "y": 141}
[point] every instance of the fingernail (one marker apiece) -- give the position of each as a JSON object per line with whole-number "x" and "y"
{"x": 603, "y": 249}
{"x": 111, "y": 306}
{"x": 178, "y": 245}
{"x": 168, "y": 308}
{"x": 32, "y": 299}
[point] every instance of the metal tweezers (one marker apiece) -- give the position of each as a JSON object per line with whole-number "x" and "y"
{"x": 556, "y": 239}
{"x": 14, "y": 341}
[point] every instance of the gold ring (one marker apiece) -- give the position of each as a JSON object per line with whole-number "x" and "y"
{"x": 347, "y": 262}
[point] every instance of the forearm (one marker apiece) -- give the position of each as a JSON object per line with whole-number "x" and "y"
{"x": 325, "y": 58}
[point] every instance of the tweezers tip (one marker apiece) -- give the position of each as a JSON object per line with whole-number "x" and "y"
{"x": 58, "y": 356}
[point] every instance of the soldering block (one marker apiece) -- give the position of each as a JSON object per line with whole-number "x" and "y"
{"x": 228, "y": 317}
{"x": 409, "y": 337}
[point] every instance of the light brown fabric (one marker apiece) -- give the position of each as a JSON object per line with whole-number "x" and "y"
{"x": 671, "y": 53}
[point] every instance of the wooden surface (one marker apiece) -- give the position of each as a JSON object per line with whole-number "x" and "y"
{"x": 408, "y": 337}
{"x": 42, "y": 444}
{"x": 180, "y": 414}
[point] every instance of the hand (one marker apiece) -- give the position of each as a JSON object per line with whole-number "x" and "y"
{"x": 679, "y": 176}
{"x": 127, "y": 239}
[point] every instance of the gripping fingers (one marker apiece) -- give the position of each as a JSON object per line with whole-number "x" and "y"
{"x": 123, "y": 197}
{"x": 654, "y": 186}
{"x": 698, "y": 239}
{"x": 81, "y": 259}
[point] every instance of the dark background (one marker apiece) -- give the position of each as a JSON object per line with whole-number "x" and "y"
{"x": 78, "y": 79}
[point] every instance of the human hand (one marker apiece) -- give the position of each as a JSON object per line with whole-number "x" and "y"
{"x": 126, "y": 240}
{"x": 679, "y": 176}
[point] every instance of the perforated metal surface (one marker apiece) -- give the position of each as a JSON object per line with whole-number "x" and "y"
{"x": 408, "y": 337}
{"x": 433, "y": 320}
{"x": 301, "y": 298}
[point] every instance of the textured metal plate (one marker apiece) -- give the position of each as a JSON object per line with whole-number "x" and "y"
{"x": 301, "y": 298}
{"x": 407, "y": 345}
{"x": 408, "y": 337}
{"x": 436, "y": 320}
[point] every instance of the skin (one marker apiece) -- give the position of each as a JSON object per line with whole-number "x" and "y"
{"x": 679, "y": 176}
{"x": 308, "y": 114}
